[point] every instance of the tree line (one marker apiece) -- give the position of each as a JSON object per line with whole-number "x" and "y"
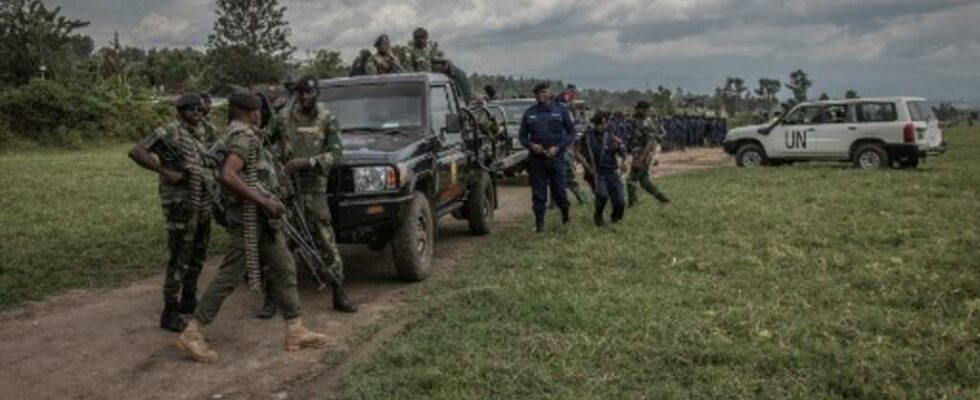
{"x": 76, "y": 86}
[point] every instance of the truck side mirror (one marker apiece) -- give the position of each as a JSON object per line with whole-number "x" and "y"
{"x": 454, "y": 124}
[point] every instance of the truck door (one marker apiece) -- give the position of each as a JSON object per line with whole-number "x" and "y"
{"x": 835, "y": 132}
{"x": 792, "y": 138}
{"x": 451, "y": 157}
{"x": 926, "y": 125}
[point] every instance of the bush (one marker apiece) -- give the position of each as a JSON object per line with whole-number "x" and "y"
{"x": 50, "y": 113}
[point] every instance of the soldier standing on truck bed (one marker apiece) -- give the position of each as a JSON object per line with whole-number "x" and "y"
{"x": 383, "y": 62}
{"x": 310, "y": 147}
{"x": 255, "y": 247}
{"x": 186, "y": 200}
{"x": 425, "y": 56}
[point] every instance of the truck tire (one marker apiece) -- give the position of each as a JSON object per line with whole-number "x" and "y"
{"x": 871, "y": 156}
{"x": 751, "y": 155}
{"x": 480, "y": 205}
{"x": 411, "y": 246}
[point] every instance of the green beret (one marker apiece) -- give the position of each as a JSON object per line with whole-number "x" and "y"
{"x": 189, "y": 100}
{"x": 245, "y": 101}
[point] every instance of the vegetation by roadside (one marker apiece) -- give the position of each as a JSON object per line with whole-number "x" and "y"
{"x": 810, "y": 281}
{"x": 77, "y": 220}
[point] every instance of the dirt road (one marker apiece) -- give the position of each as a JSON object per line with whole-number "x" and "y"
{"x": 106, "y": 344}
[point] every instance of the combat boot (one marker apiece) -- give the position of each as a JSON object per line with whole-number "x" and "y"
{"x": 340, "y": 300}
{"x": 565, "y": 216}
{"x": 269, "y": 306}
{"x": 661, "y": 198}
{"x": 539, "y": 226}
{"x": 170, "y": 320}
{"x": 192, "y": 344}
{"x": 188, "y": 301}
{"x": 298, "y": 337}
{"x": 599, "y": 220}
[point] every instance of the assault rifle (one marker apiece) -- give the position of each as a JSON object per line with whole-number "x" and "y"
{"x": 294, "y": 223}
{"x": 296, "y": 227}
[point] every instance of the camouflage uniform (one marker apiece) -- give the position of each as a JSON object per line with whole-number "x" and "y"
{"x": 186, "y": 208}
{"x": 319, "y": 140}
{"x": 422, "y": 58}
{"x": 429, "y": 58}
{"x": 380, "y": 64}
{"x": 645, "y": 133}
{"x": 277, "y": 262}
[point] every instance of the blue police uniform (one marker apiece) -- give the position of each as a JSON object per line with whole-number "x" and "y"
{"x": 604, "y": 147}
{"x": 548, "y": 125}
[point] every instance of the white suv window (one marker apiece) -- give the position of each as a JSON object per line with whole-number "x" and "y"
{"x": 919, "y": 111}
{"x": 876, "y": 112}
{"x": 806, "y": 115}
{"x": 834, "y": 114}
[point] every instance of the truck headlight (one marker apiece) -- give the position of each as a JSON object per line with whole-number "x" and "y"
{"x": 375, "y": 179}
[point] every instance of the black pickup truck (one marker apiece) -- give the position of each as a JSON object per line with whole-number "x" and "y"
{"x": 412, "y": 155}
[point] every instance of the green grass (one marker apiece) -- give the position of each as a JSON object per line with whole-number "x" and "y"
{"x": 76, "y": 220}
{"x": 808, "y": 282}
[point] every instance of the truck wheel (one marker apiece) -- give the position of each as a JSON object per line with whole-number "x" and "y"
{"x": 870, "y": 156}
{"x": 750, "y": 155}
{"x": 480, "y": 205}
{"x": 411, "y": 246}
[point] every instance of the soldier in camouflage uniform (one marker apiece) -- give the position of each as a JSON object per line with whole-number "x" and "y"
{"x": 175, "y": 153}
{"x": 383, "y": 62}
{"x": 644, "y": 136}
{"x": 425, "y": 56}
{"x": 359, "y": 66}
{"x": 486, "y": 122}
{"x": 252, "y": 210}
{"x": 309, "y": 146}
{"x": 209, "y": 129}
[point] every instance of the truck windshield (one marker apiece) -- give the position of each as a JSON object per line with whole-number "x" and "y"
{"x": 376, "y": 107}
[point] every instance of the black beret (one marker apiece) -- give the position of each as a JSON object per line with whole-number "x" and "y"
{"x": 420, "y": 32}
{"x": 189, "y": 100}
{"x": 382, "y": 39}
{"x": 306, "y": 84}
{"x": 245, "y": 101}
{"x": 541, "y": 86}
{"x": 642, "y": 105}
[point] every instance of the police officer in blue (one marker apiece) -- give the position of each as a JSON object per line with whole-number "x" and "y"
{"x": 604, "y": 150}
{"x": 547, "y": 129}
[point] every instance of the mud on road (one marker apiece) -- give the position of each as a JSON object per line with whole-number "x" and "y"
{"x": 106, "y": 344}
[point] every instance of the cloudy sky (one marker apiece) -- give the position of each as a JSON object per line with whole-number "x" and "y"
{"x": 878, "y": 47}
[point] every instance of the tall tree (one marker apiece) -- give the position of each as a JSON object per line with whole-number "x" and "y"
{"x": 799, "y": 83}
{"x": 249, "y": 31}
{"x": 851, "y": 94}
{"x": 32, "y": 36}
{"x": 731, "y": 94}
{"x": 173, "y": 69}
{"x": 325, "y": 64}
{"x": 767, "y": 91}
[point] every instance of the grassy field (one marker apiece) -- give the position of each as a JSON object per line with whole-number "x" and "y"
{"x": 809, "y": 282}
{"x": 76, "y": 219}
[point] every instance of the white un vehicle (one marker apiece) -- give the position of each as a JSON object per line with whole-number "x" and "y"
{"x": 871, "y": 133}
